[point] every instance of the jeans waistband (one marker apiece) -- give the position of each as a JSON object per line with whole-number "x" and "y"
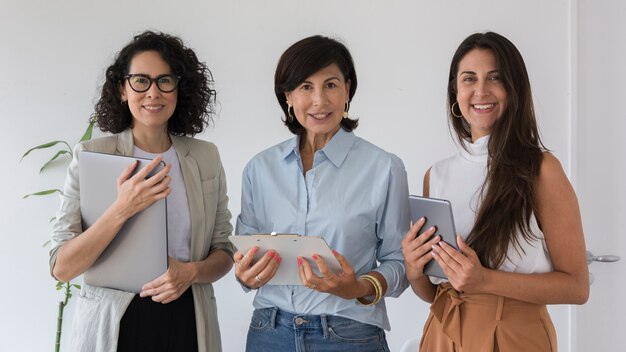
{"x": 304, "y": 321}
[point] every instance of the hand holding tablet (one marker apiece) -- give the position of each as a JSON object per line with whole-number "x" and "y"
{"x": 438, "y": 213}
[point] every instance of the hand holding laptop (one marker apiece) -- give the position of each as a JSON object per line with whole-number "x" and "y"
{"x": 136, "y": 189}
{"x": 137, "y": 192}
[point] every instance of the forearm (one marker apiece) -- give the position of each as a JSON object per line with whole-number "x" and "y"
{"x": 211, "y": 269}
{"x": 78, "y": 254}
{"x": 545, "y": 288}
{"x": 424, "y": 289}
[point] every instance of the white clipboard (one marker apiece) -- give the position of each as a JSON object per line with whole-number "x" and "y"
{"x": 290, "y": 247}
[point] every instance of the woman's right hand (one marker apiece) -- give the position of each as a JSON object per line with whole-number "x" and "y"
{"x": 138, "y": 192}
{"x": 255, "y": 275}
{"x": 416, "y": 249}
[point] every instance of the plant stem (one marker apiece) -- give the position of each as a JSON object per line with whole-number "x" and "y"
{"x": 57, "y": 345}
{"x": 62, "y": 304}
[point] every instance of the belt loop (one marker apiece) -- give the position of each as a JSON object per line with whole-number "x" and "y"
{"x": 324, "y": 321}
{"x": 273, "y": 317}
{"x": 500, "y": 308}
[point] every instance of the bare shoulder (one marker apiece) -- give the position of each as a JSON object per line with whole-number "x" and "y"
{"x": 426, "y": 185}
{"x": 553, "y": 188}
{"x": 551, "y": 170}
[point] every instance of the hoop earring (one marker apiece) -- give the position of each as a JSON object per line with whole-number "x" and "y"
{"x": 452, "y": 110}
{"x": 345, "y": 111}
{"x": 289, "y": 115}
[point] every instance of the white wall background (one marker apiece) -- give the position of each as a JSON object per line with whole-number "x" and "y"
{"x": 53, "y": 55}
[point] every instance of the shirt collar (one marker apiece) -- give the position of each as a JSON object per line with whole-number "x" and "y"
{"x": 335, "y": 150}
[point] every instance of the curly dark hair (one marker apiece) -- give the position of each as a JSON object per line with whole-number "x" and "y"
{"x": 303, "y": 59}
{"x": 196, "y": 96}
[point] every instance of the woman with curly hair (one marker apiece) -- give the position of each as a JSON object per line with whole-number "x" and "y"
{"x": 156, "y": 96}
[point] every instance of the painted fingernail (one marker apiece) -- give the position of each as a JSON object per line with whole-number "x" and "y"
{"x": 421, "y": 220}
{"x": 316, "y": 257}
{"x": 271, "y": 254}
{"x": 299, "y": 261}
{"x": 335, "y": 252}
{"x": 254, "y": 249}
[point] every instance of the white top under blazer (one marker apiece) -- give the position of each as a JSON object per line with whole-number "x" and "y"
{"x": 459, "y": 179}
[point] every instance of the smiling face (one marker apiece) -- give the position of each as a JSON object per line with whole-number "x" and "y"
{"x": 481, "y": 94}
{"x": 318, "y": 103}
{"x": 150, "y": 109}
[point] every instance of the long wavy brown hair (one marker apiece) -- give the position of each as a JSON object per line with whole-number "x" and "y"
{"x": 515, "y": 154}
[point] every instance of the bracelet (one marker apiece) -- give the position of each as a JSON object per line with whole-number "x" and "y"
{"x": 378, "y": 291}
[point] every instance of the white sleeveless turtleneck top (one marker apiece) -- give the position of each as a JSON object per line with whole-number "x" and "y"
{"x": 459, "y": 179}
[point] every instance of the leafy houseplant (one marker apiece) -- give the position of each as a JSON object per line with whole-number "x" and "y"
{"x": 66, "y": 151}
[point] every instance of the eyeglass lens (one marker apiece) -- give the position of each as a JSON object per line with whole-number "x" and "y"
{"x": 141, "y": 83}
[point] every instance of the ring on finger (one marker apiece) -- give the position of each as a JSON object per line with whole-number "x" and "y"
{"x": 240, "y": 265}
{"x": 312, "y": 286}
{"x": 259, "y": 279}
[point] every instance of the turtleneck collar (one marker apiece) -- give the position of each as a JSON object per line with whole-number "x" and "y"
{"x": 478, "y": 151}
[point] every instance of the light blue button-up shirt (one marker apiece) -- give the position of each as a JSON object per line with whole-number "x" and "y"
{"x": 355, "y": 196}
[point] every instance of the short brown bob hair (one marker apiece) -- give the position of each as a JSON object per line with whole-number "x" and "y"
{"x": 305, "y": 58}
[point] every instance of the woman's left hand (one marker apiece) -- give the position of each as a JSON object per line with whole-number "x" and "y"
{"x": 171, "y": 285}
{"x": 463, "y": 268}
{"x": 343, "y": 284}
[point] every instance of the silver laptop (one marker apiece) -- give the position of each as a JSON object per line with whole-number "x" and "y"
{"x": 138, "y": 254}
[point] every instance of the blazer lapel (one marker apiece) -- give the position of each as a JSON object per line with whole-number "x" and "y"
{"x": 125, "y": 142}
{"x": 193, "y": 187}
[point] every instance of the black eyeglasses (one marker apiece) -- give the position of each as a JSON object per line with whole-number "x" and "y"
{"x": 141, "y": 83}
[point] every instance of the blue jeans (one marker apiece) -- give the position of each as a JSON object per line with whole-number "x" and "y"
{"x": 273, "y": 330}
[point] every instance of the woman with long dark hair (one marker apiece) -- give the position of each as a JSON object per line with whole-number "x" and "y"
{"x": 520, "y": 233}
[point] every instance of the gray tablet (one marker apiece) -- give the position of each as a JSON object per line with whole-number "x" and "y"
{"x": 438, "y": 213}
{"x": 138, "y": 253}
{"x": 290, "y": 247}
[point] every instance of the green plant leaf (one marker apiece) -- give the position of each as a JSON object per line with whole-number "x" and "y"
{"x": 46, "y": 145}
{"x": 43, "y": 193}
{"x": 87, "y": 135}
{"x": 58, "y": 154}
{"x": 76, "y": 286}
{"x": 59, "y": 285}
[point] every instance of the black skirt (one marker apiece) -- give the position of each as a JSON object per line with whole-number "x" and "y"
{"x": 152, "y": 326}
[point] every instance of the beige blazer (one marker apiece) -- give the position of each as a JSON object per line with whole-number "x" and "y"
{"x": 98, "y": 311}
